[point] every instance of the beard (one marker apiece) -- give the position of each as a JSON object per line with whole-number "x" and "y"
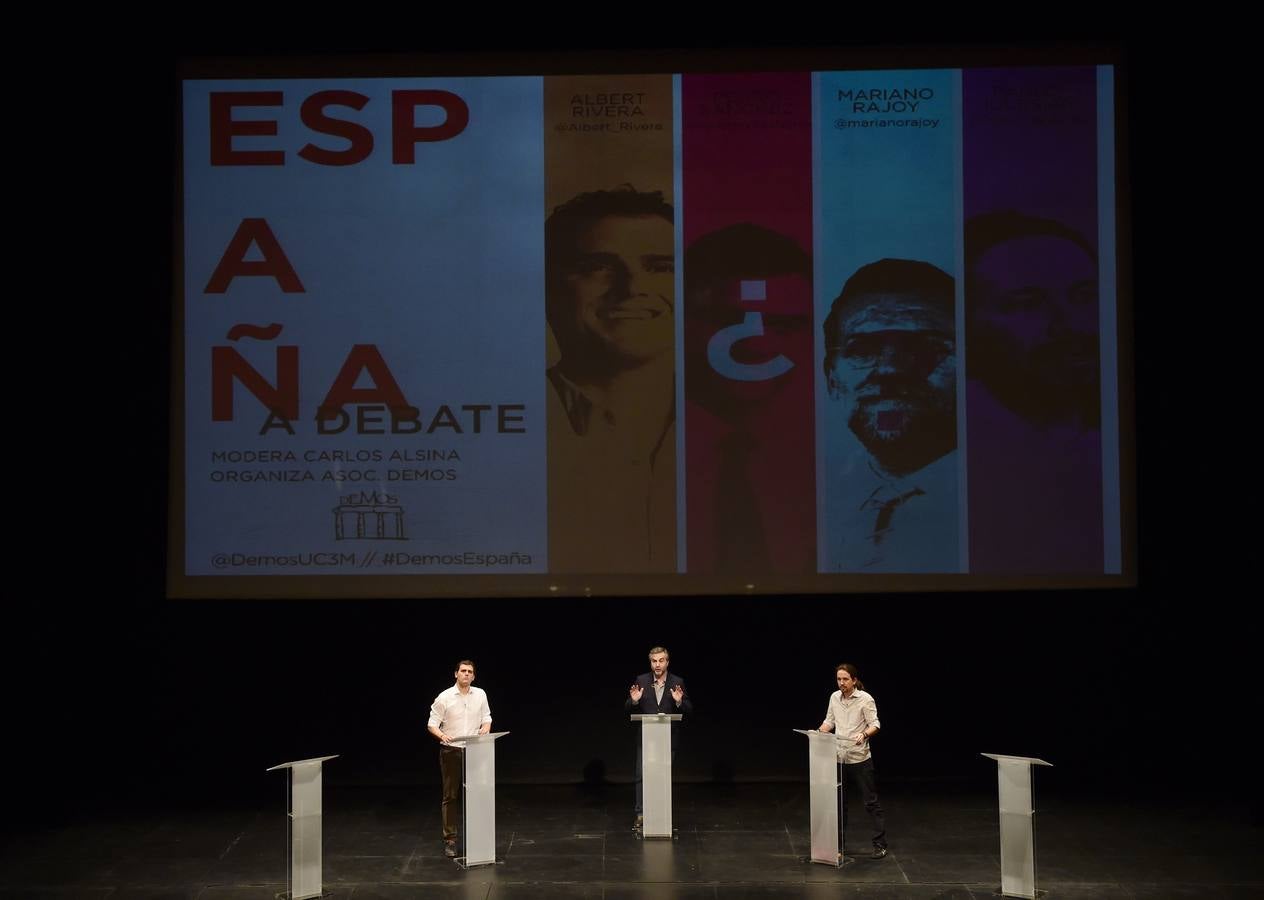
{"x": 905, "y": 425}
{"x": 1057, "y": 383}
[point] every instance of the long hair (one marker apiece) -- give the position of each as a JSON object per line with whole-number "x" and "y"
{"x": 853, "y": 672}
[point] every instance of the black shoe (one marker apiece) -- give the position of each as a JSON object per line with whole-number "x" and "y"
{"x": 879, "y": 852}
{"x": 449, "y": 849}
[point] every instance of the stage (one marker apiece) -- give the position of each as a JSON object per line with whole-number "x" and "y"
{"x": 576, "y": 841}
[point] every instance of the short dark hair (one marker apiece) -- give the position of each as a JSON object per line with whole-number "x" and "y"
{"x": 743, "y": 250}
{"x": 568, "y": 221}
{"x": 987, "y": 230}
{"x": 466, "y": 662}
{"x": 888, "y": 277}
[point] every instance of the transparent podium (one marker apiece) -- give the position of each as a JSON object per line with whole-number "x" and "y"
{"x": 656, "y": 776}
{"x": 303, "y": 827}
{"x": 478, "y": 802}
{"x": 1018, "y": 845}
{"x": 823, "y": 788}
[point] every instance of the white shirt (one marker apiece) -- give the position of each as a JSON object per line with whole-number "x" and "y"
{"x": 460, "y": 715}
{"x": 849, "y": 715}
{"x": 921, "y": 530}
{"x": 612, "y": 494}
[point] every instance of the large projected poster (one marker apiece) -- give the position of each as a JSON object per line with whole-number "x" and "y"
{"x": 888, "y": 239}
{"x": 648, "y": 333}
{"x": 364, "y": 336}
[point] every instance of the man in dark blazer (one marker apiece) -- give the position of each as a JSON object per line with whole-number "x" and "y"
{"x": 657, "y": 691}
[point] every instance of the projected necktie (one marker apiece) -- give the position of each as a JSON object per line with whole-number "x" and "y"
{"x": 886, "y": 501}
{"x": 739, "y": 524}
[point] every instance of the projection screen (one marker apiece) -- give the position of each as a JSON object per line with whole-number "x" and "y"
{"x": 670, "y": 332}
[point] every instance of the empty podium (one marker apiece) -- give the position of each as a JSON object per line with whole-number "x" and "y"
{"x": 1018, "y": 842}
{"x": 303, "y": 825}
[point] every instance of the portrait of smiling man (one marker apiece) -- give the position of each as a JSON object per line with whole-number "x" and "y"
{"x": 610, "y": 303}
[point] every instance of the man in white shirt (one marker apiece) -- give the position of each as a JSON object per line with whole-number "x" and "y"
{"x": 853, "y": 716}
{"x": 458, "y": 712}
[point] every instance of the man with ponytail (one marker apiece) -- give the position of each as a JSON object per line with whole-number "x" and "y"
{"x": 853, "y": 716}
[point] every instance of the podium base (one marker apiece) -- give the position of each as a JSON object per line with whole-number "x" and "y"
{"x": 642, "y": 836}
{"x": 462, "y": 864}
{"x": 842, "y": 861}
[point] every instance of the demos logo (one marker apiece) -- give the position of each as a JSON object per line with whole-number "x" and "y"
{"x": 369, "y": 516}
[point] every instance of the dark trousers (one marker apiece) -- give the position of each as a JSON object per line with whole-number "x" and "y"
{"x": 452, "y": 765}
{"x": 859, "y": 777}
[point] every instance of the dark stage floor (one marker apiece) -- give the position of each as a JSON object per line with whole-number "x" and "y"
{"x": 746, "y": 840}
